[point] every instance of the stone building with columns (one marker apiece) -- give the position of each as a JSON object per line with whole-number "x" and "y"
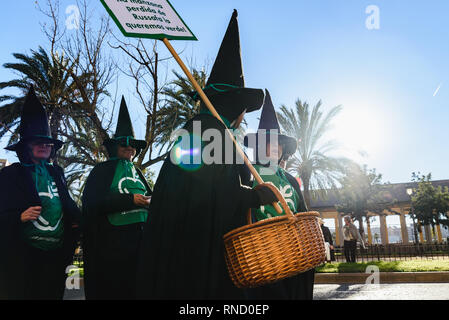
{"x": 400, "y": 192}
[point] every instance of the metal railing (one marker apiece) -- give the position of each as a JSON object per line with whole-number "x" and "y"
{"x": 395, "y": 252}
{"x": 375, "y": 252}
{"x": 78, "y": 258}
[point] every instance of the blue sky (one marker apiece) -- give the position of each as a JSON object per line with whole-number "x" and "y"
{"x": 385, "y": 79}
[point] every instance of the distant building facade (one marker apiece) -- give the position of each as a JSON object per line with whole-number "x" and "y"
{"x": 385, "y": 234}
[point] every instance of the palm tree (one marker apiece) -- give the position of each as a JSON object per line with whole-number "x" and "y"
{"x": 317, "y": 170}
{"x": 51, "y": 79}
{"x": 180, "y": 105}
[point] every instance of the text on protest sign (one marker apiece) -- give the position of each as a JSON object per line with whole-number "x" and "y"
{"x": 155, "y": 19}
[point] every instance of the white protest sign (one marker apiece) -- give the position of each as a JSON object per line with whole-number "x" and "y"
{"x": 154, "y": 19}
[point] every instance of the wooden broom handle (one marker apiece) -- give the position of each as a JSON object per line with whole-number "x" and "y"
{"x": 216, "y": 115}
{"x": 278, "y": 195}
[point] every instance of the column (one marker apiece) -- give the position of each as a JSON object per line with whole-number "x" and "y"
{"x": 383, "y": 229}
{"x": 440, "y": 236}
{"x": 404, "y": 231}
{"x": 338, "y": 226}
{"x": 337, "y": 230}
{"x": 368, "y": 230}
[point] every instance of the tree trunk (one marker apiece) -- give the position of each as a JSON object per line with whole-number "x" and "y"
{"x": 306, "y": 192}
{"x": 428, "y": 230}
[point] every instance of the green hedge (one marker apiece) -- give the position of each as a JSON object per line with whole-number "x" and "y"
{"x": 386, "y": 266}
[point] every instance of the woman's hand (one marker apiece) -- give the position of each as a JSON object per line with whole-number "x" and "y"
{"x": 32, "y": 213}
{"x": 141, "y": 200}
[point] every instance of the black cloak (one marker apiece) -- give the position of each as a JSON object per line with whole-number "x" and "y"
{"x": 18, "y": 193}
{"x": 104, "y": 243}
{"x": 190, "y": 211}
{"x": 300, "y": 287}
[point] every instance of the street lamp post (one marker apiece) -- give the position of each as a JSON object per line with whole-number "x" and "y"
{"x": 410, "y": 192}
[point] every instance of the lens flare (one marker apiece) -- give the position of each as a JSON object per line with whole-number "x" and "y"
{"x": 187, "y": 153}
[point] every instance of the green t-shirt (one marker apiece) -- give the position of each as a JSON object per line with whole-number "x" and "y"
{"x": 45, "y": 233}
{"x": 127, "y": 180}
{"x": 279, "y": 179}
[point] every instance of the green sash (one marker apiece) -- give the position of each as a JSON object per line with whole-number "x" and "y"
{"x": 126, "y": 180}
{"x": 45, "y": 233}
{"x": 279, "y": 179}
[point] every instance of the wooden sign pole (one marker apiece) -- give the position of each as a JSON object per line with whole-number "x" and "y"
{"x": 215, "y": 114}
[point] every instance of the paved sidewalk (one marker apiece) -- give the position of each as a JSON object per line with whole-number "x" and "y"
{"x": 403, "y": 291}
{"x": 346, "y": 291}
{"x": 74, "y": 294}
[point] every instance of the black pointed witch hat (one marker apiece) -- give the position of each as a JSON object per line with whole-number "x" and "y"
{"x": 34, "y": 124}
{"x": 268, "y": 121}
{"x": 225, "y": 86}
{"x": 124, "y": 132}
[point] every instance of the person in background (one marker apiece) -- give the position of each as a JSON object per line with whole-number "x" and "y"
{"x": 351, "y": 236}
{"x": 330, "y": 255}
{"x": 115, "y": 209}
{"x": 39, "y": 221}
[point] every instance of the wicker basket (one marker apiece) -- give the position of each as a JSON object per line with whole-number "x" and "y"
{"x": 274, "y": 248}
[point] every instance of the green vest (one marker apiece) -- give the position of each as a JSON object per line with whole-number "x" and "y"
{"x": 280, "y": 180}
{"x": 45, "y": 233}
{"x": 127, "y": 180}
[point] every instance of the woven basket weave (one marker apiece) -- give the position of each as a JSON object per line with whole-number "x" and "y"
{"x": 275, "y": 248}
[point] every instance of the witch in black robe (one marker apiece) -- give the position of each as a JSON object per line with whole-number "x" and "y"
{"x": 194, "y": 204}
{"x": 298, "y": 287}
{"x": 35, "y": 251}
{"x": 113, "y": 221}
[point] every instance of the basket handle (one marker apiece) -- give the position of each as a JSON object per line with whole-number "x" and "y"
{"x": 278, "y": 194}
